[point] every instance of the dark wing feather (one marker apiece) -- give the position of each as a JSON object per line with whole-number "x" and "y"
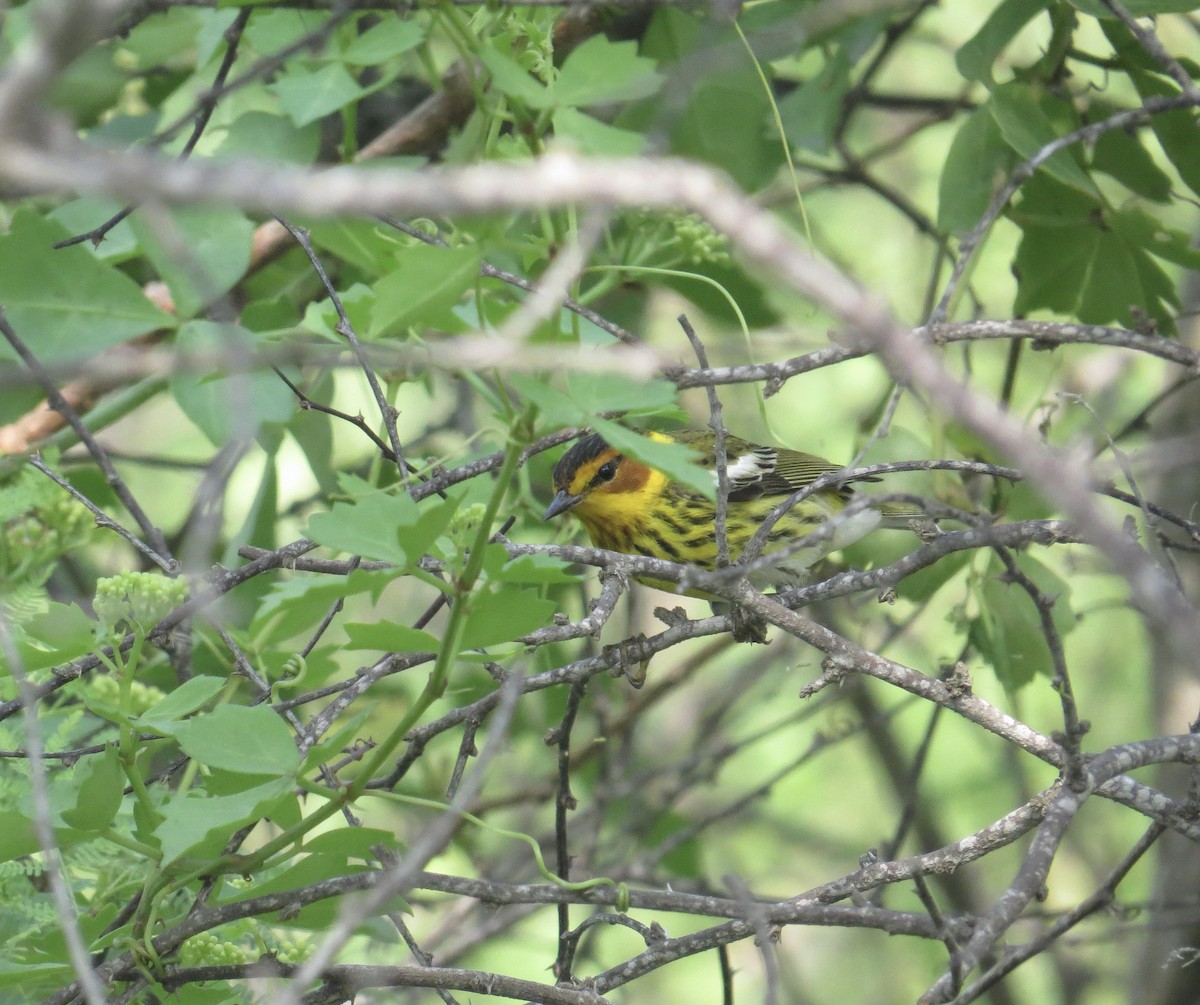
{"x": 795, "y": 469}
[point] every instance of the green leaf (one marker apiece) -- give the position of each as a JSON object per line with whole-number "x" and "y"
{"x": 218, "y": 253}
{"x": 975, "y": 57}
{"x": 82, "y": 215}
{"x": 811, "y": 112}
{"x": 268, "y": 137}
{"x": 308, "y": 95}
{"x": 249, "y": 740}
{"x": 1148, "y": 232}
{"x": 384, "y": 41}
{"x": 17, "y": 836}
{"x": 977, "y": 164}
{"x": 189, "y": 819}
{"x": 554, "y": 407}
{"x": 1176, "y": 130}
{"x": 512, "y": 80}
{"x": 723, "y": 125}
{"x": 503, "y": 617}
{"x": 601, "y": 72}
{"x": 351, "y": 842}
{"x": 610, "y": 392}
{"x": 1071, "y": 261}
{"x": 59, "y": 634}
{"x": 184, "y": 700}
{"x": 673, "y": 459}
{"x": 321, "y": 914}
{"x": 384, "y": 527}
{"x": 426, "y": 283}
{"x": 1008, "y": 630}
{"x": 1028, "y": 129}
{"x": 293, "y": 606}
{"x": 228, "y": 407}
{"x": 923, "y": 584}
{"x": 365, "y": 244}
{"x": 366, "y": 527}
{"x": 321, "y": 316}
{"x": 591, "y": 136}
{"x": 383, "y": 636}
{"x": 66, "y": 304}
{"x": 101, "y": 788}
{"x": 537, "y": 569}
{"x": 1122, "y": 156}
{"x": 1138, "y": 8}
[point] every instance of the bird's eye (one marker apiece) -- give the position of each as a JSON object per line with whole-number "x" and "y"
{"x": 607, "y": 471}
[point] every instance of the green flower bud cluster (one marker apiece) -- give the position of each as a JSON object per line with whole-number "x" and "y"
{"x": 294, "y": 949}
{"x": 465, "y": 522}
{"x": 38, "y": 525}
{"x": 697, "y": 240}
{"x": 138, "y": 599}
{"x": 207, "y": 950}
{"x": 107, "y": 690}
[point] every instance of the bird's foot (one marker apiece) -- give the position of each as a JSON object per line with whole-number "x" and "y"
{"x": 747, "y": 627}
{"x": 625, "y": 659}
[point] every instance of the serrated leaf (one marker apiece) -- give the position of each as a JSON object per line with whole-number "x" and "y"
{"x": 218, "y": 243}
{"x": 60, "y": 633}
{"x": 351, "y": 842}
{"x": 510, "y": 78}
{"x": 1176, "y": 130}
{"x": 189, "y": 819}
{"x": 308, "y": 95}
{"x": 363, "y": 243}
{"x": 382, "y": 636}
{"x": 389, "y": 38}
{"x": 503, "y": 617}
{"x": 591, "y": 136}
{"x": 1121, "y": 155}
{"x": 555, "y": 408}
{"x": 385, "y": 527}
{"x": 537, "y": 569}
{"x": 1027, "y": 129}
{"x": 291, "y": 606}
{"x": 190, "y": 696}
{"x": 1071, "y": 262}
{"x": 425, "y": 283}
{"x": 234, "y": 406}
{"x": 600, "y": 72}
{"x": 66, "y": 304}
{"x": 610, "y": 392}
{"x": 101, "y": 789}
{"x": 269, "y": 137}
{"x": 248, "y": 740}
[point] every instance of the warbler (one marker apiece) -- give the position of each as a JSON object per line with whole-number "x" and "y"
{"x": 629, "y": 507}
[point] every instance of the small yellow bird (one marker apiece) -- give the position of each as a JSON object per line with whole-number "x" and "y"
{"x": 632, "y": 508}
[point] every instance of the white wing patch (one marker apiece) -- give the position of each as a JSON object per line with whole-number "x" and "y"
{"x": 748, "y": 469}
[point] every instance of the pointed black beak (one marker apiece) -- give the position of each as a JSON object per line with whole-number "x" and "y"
{"x": 560, "y": 504}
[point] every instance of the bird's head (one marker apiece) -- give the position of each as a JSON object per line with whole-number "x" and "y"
{"x": 594, "y": 476}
